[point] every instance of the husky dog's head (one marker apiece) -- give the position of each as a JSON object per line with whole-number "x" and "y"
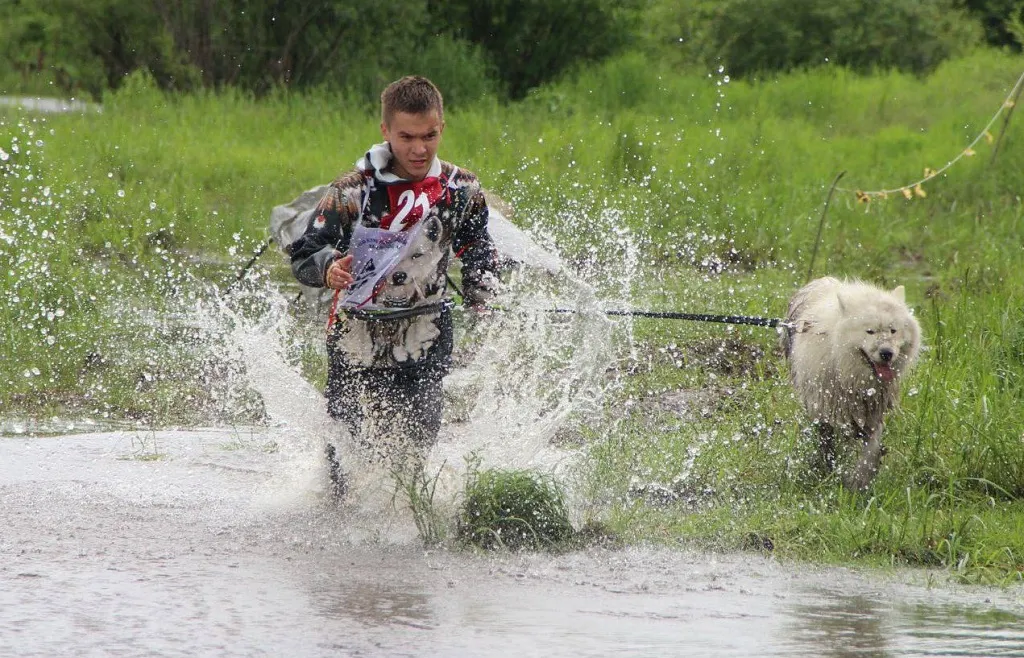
{"x": 879, "y": 328}
{"x": 420, "y": 275}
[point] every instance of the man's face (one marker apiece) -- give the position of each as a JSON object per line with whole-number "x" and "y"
{"x": 414, "y": 140}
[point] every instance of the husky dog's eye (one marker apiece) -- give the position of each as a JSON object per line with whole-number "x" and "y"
{"x": 892, "y": 330}
{"x": 871, "y": 332}
{"x": 433, "y": 230}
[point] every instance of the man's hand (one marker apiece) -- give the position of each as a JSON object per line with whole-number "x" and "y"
{"x": 339, "y": 274}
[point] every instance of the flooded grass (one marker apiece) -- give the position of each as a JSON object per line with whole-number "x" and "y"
{"x": 418, "y": 490}
{"x": 513, "y": 509}
{"x": 118, "y": 228}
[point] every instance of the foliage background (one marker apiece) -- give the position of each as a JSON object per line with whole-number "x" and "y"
{"x": 471, "y": 48}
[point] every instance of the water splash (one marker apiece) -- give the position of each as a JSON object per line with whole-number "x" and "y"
{"x": 151, "y": 342}
{"x": 522, "y": 375}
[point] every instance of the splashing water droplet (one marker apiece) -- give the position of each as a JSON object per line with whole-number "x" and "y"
{"x": 4, "y": 156}
{"x": 120, "y": 193}
{"x": 870, "y": 392}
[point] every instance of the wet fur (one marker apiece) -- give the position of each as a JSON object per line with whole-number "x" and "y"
{"x": 842, "y": 335}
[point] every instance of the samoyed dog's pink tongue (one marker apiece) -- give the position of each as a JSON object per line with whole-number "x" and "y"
{"x": 884, "y": 372}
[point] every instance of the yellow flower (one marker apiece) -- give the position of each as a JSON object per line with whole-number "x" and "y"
{"x": 863, "y": 197}
{"x": 988, "y": 137}
{"x": 907, "y": 193}
{"x": 968, "y": 151}
{"x": 919, "y": 191}
{"x": 928, "y": 172}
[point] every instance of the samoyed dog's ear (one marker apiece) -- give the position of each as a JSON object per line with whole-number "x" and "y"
{"x": 842, "y": 306}
{"x": 900, "y": 294}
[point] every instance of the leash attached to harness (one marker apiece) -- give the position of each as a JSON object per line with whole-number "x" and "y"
{"x": 252, "y": 261}
{"x": 696, "y": 317}
{"x": 665, "y": 315}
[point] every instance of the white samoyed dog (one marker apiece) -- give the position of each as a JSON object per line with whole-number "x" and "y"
{"x": 848, "y": 344}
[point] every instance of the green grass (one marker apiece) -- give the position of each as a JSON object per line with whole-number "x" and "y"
{"x": 513, "y": 509}
{"x": 418, "y": 489}
{"x": 720, "y": 186}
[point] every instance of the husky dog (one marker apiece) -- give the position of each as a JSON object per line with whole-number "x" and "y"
{"x": 419, "y": 277}
{"x": 848, "y": 344}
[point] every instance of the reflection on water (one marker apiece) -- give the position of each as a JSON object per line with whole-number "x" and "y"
{"x": 13, "y": 426}
{"x": 169, "y": 543}
{"x": 841, "y": 625}
{"x": 844, "y": 624}
{"x": 381, "y": 603}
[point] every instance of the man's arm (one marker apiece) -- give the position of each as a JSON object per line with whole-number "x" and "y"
{"x": 327, "y": 237}
{"x": 473, "y": 246}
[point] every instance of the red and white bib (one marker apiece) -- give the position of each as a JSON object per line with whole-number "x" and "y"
{"x": 410, "y": 202}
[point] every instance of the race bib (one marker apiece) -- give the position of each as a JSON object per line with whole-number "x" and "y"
{"x": 410, "y": 202}
{"x": 375, "y": 252}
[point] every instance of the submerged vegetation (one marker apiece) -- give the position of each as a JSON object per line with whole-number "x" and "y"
{"x": 114, "y": 222}
{"x": 513, "y": 509}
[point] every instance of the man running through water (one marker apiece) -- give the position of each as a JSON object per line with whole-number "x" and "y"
{"x": 382, "y": 237}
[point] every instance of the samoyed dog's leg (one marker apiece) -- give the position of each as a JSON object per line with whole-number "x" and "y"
{"x": 825, "y": 459}
{"x": 867, "y": 466}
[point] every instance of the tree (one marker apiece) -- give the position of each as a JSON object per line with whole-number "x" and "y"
{"x": 532, "y": 41}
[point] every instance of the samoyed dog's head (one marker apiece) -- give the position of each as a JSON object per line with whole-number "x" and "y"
{"x": 420, "y": 275}
{"x": 876, "y": 328}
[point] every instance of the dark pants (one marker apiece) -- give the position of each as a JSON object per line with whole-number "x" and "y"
{"x": 393, "y": 412}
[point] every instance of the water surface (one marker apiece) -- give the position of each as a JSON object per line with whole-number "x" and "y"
{"x": 192, "y": 543}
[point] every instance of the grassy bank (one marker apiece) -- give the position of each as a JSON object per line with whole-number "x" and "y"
{"x": 109, "y": 221}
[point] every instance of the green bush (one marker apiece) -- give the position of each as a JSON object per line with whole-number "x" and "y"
{"x": 530, "y": 42}
{"x": 1003, "y": 21}
{"x": 756, "y": 36}
{"x": 91, "y": 46}
{"x": 513, "y": 509}
{"x": 88, "y": 47}
{"x": 460, "y": 69}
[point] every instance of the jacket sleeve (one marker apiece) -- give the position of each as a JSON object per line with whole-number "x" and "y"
{"x": 327, "y": 237}
{"x": 475, "y": 248}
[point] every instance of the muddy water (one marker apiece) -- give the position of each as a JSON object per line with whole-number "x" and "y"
{"x": 190, "y": 543}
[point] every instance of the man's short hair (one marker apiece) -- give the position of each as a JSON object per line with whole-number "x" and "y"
{"x": 412, "y": 94}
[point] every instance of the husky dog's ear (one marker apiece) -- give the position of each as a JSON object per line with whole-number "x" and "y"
{"x": 433, "y": 229}
{"x": 842, "y": 306}
{"x": 900, "y": 294}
